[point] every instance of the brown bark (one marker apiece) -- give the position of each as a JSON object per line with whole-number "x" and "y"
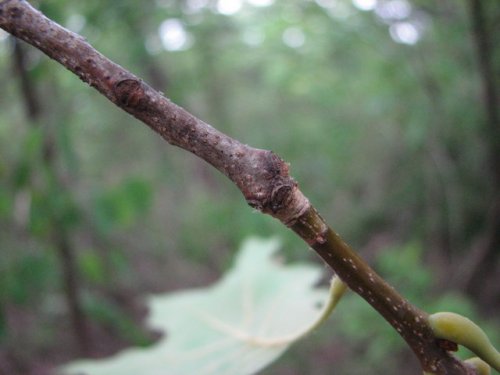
{"x": 261, "y": 175}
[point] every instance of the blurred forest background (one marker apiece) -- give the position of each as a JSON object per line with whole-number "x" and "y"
{"x": 387, "y": 110}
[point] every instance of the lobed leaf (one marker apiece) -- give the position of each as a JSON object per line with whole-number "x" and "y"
{"x": 237, "y": 326}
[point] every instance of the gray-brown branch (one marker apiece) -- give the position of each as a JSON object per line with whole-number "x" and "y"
{"x": 261, "y": 175}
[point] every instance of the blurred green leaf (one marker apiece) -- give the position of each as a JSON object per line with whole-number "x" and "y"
{"x": 25, "y": 278}
{"x": 21, "y": 174}
{"x": 237, "y": 326}
{"x": 33, "y": 142}
{"x": 400, "y": 261}
{"x": 123, "y": 204}
{"x": 67, "y": 211}
{"x": 40, "y": 214}
{"x": 110, "y": 315}
{"x": 92, "y": 267}
{"x": 31, "y": 153}
{"x": 5, "y": 201}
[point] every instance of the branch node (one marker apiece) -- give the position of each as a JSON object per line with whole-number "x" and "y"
{"x": 130, "y": 93}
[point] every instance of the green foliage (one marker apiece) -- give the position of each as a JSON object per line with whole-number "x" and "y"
{"x": 53, "y": 208}
{"x": 92, "y": 267}
{"x": 29, "y": 158}
{"x": 5, "y": 202}
{"x": 238, "y": 325}
{"x": 111, "y": 316}
{"x": 23, "y": 279}
{"x": 398, "y": 262}
{"x": 122, "y": 205}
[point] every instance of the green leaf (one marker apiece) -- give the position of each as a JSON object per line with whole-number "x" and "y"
{"x": 237, "y": 326}
{"x": 23, "y": 279}
{"x": 92, "y": 267}
{"x": 5, "y": 202}
{"x": 123, "y": 204}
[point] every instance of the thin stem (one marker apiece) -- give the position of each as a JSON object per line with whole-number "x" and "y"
{"x": 410, "y": 322}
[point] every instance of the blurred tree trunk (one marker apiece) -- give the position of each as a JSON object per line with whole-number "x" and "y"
{"x": 59, "y": 236}
{"x": 485, "y": 257}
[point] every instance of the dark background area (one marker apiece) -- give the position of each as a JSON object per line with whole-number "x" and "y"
{"x": 387, "y": 111}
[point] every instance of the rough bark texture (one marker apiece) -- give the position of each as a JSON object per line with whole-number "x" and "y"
{"x": 261, "y": 175}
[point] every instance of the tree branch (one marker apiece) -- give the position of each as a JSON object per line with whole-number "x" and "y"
{"x": 261, "y": 175}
